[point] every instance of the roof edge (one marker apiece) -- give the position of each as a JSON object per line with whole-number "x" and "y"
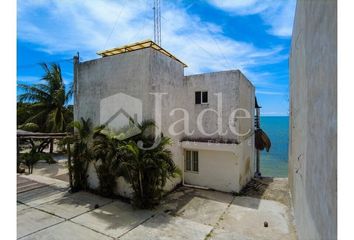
{"x": 138, "y": 46}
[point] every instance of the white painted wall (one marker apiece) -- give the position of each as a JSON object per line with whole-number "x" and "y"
{"x": 217, "y": 170}
{"x": 223, "y": 167}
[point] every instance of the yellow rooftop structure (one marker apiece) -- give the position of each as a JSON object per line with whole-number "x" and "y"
{"x": 138, "y": 46}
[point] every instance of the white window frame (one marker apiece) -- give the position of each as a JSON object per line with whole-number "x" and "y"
{"x": 191, "y": 161}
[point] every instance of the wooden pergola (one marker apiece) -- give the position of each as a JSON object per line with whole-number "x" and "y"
{"x": 46, "y": 138}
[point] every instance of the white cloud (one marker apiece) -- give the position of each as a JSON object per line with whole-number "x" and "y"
{"x": 277, "y": 14}
{"x": 63, "y": 26}
{"x": 243, "y": 7}
{"x": 270, "y": 92}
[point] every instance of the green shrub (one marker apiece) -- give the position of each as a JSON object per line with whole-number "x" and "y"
{"x": 31, "y": 158}
{"x": 147, "y": 168}
{"x": 81, "y": 154}
{"x": 107, "y": 180}
{"x": 106, "y": 151}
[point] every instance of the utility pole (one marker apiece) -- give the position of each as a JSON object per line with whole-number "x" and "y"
{"x": 157, "y": 22}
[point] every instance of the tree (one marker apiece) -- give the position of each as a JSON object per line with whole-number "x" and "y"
{"x": 47, "y": 101}
{"x": 106, "y": 148}
{"x": 147, "y": 170}
{"x": 81, "y": 153}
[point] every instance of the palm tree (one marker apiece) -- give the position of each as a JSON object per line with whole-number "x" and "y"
{"x": 147, "y": 170}
{"x": 106, "y": 149}
{"x": 32, "y": 157}
{"x": 48, "y": 100}
{"x": 82, "y": 153}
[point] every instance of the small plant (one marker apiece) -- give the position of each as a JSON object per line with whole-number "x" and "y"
{"x": 31, "y": 158}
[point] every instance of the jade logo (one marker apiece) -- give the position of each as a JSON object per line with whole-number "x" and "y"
{"x": 119, "y": 111}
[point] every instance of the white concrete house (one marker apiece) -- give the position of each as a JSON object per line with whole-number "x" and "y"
{"x": 145, "y": 78}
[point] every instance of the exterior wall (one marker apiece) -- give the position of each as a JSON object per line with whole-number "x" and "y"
{"x": 246, "y": 128}
{"x": 101, "y": 78}
{"x": 246, "y": 161}
{"x": 313, "y": 119}
{"x": 232, "y": 172}
{"x": 130, "y": 73}
{"x": 247, "y": 102}
{"x": 217, "y": 170}
{"x": 167, "y": 75}
{"x": 143, "y": 72}
{"x": 223, "y": 167}
{"x": 227, "y": 83}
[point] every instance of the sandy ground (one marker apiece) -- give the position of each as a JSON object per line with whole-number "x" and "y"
{"x": 57, "y": 170}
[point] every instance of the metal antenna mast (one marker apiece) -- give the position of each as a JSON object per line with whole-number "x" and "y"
{"x": 157, "y": 22}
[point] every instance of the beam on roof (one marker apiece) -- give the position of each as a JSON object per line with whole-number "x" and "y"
{"x": 138, "y": 46}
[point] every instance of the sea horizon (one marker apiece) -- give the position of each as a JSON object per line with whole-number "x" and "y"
{"x": 275, "y": 162}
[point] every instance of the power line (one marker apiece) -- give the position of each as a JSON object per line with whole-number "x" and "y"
{"x": 114, "y": 26}
{"x": 217, "y": 45}
{"x": 196, "y": 44}
{"x": 131, "y": 39}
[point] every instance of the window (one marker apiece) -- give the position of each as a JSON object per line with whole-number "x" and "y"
{"x": 188, "y": 163}
{"x": 201, "y": 97}
{"x": 195, "y": 161}
{"x": 198, "y": 99}
{"x": 192, "y": 161}
{"x": 204, "y": 97}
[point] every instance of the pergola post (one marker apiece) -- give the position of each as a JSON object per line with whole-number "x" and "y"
{"x": 51, "y": 146}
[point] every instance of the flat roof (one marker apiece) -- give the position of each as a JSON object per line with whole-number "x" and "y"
{"x": 138, "y": 46}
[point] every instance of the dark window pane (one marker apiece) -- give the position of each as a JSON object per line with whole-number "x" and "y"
{"x": 197, "y": 97}
{"x": 195, "y": 161}
{"x": 188, "y": 162}
{"x": 205, "y": 97}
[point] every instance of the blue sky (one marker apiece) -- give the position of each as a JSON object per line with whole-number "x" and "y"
{"x": 208, "y": 35}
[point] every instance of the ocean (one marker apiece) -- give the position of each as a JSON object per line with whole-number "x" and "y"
{"x": 275, "y": 162}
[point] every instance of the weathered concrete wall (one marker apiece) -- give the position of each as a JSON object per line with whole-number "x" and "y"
{"x": 246, "y": 128}
{"x": 313, "y": 119}
{"x": 236, "y": 91}
{"x": 224, "y": 83}
{"x": 141, "y": 74}
{"x": 132, "y": 74}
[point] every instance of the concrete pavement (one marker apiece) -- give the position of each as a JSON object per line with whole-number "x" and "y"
{"x": 50, "y": 212}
